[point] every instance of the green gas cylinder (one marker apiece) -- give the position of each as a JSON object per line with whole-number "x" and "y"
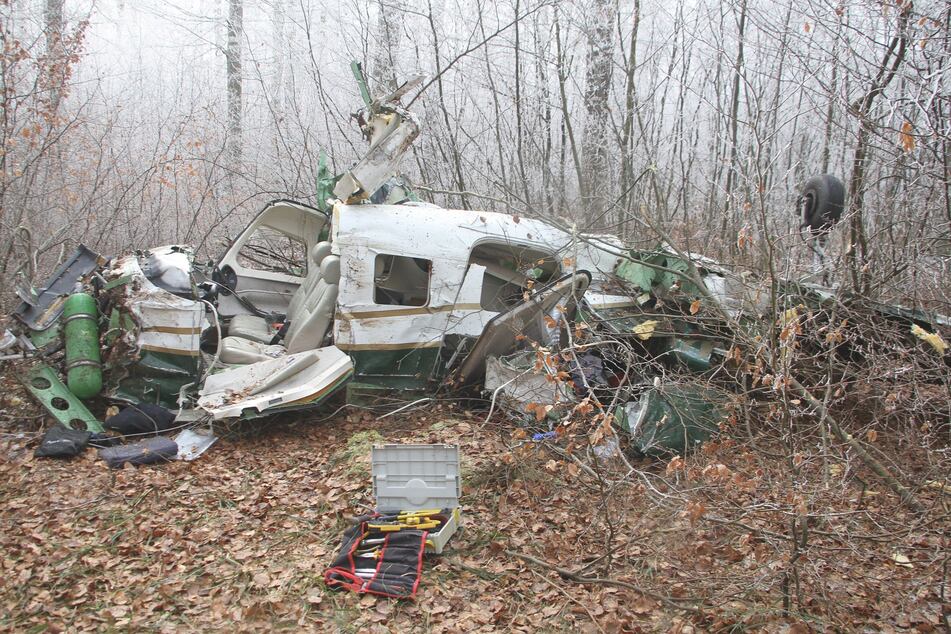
{"x": 81, "y": 333}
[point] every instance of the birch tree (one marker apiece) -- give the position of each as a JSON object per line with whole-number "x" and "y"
{"x": 597, "y": 93}
{"x": 235, "y": 34}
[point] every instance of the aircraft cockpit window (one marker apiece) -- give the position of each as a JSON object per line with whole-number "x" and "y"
{"x": 268, "y": 249}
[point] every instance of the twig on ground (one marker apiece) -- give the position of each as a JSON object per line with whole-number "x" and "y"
{"x": 564, "y": 573}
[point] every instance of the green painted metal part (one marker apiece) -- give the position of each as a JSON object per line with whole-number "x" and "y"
{"x": 157, "y": 377}
{"x": 392, "y": 374}
{"x": 119, "y": 281}
{"x": 325, "y": 190}
{"x": 43, "y": 338}
{"x": 357, "y": 69}
{"x": 671, "y": 419}
{"x": 118, "y": 322}
{"x": 696, "y": 354}
{"x": 81, "y": 332}
{"x": 640, "y": 275}
{"x": 642, "y": 272}
{"x": 369, "y": 394}
{"x": 45, "y": 386}
{"x": 413, "y": 367}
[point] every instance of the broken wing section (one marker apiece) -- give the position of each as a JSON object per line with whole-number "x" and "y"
{"x": 41, "y": 308}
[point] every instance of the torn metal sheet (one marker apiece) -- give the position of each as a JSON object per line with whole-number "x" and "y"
{"x": 393, "y": 134}
{"x": 165, "y": 322}
{"x": 169, "y": 268}
{"x": 525, "y": 321}
{"x": 42, "y": 311}
{"x": 154, "y": 334}
{"x": 194, "y": 442}
{"x": 516, "y": 381}
{"x": 7, "y": 341}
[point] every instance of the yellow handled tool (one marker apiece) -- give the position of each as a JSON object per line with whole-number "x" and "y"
{"x": 407, "y": 514}
{"x": 389, "y": 528}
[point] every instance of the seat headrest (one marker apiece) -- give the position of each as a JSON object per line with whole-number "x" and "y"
{"x": 319, "y": 252}
{"x": 330, "y": 269}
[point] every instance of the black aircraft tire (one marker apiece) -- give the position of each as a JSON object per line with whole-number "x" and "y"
{"x": 823, "y": 199}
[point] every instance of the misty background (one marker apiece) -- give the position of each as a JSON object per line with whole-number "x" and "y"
{"x": 133, "y": 124}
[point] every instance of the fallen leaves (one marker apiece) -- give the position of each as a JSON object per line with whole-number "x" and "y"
{"x": 240, "y": 539}
{"x": 931, "y": 338}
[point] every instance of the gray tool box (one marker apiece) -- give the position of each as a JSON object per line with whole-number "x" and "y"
{"x": 415, "y": 478}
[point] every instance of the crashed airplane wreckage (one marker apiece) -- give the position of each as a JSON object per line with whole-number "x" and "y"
{"x": 373, "y": 292}
{"x": 380, "y": 296}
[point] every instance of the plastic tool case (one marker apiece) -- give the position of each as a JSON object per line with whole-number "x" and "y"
{"x": 419, "y": 477}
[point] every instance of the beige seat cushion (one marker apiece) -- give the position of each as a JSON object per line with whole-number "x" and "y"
{"x": 257, "y": 328}
{"x": 251, "y": 327}
{"x": 306, "y": 332}
{"x": 317, "y": 255}
{"x": 310, "y": 326}
{"x": 239, "y": 351}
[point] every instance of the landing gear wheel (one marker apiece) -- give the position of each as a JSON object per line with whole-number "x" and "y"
{"x": 821, "y": 203}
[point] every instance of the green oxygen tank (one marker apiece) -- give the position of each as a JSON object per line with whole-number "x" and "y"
{"x": 81, "y": 331}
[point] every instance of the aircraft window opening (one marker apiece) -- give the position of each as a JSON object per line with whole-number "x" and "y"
{"x": 268, "y": 249}
{"x": 400, "y": 280}
{"x": 511, "y": 271}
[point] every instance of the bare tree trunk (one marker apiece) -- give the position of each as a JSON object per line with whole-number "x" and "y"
{"x": 858, "y": 253}
{"x": 55, "y": 51}
{"x": 734, "y": 125}
{"x": 389, "y": 32}
{"x": 597, "y": 94}
{"x": 830, "y": 108}
{"x": 497, "y": 111}
{"x": 716, "y": 142}
{"x": 627, "y": 128}
{"x": 233, "y": 72}
{"x": 456, "y": 158}
{"x": 278, "y": 100}
{"x": 519, "y": 122}
{"x": 541, "y": 32}
{"x": 568, "y": 133}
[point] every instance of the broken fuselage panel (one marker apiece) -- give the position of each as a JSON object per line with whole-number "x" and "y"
{"x": 152, "y": 344}
{"x": 396, "y": 297}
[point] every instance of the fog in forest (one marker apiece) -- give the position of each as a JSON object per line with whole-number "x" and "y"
{"x": 129, "y": 124}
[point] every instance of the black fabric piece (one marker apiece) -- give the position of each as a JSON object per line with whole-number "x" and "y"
{"x": 100, "y": 440}
{"x": 589, "y": 370}
{"x": 158, "y": 449}
{"x": 276, "y": 339}
{"x": 62, "y": 442}
{"x": 142, "y": 418}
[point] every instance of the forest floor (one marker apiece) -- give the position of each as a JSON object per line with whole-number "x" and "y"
{"x": 240, "y": 538}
